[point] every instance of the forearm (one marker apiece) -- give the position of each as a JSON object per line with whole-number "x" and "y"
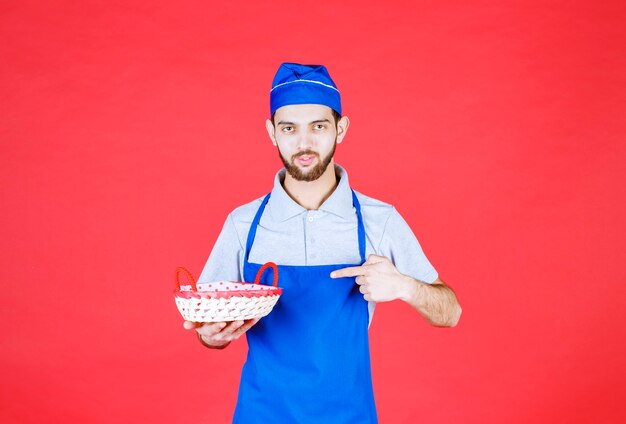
{"x": 436, "y": 302}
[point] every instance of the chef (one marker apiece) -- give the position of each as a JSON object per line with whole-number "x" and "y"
{"x": 338, "y": 251}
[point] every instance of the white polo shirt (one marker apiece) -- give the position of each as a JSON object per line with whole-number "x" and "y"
{"x": 289, "y": 234}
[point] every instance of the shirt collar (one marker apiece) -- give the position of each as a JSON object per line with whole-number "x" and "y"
{"x": 283, "y": 207}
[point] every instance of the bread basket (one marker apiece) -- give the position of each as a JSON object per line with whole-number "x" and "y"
{"x": 226, "y": 300}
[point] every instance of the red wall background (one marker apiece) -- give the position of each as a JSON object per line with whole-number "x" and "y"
{"x": 129, "y": 130}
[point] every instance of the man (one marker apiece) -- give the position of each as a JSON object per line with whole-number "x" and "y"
{"x": 338, "y": 252}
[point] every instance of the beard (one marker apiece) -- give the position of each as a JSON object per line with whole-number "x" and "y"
{"x": 314, "y": 172}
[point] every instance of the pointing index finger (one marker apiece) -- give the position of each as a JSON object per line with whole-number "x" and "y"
{"x": 352, "y": 271}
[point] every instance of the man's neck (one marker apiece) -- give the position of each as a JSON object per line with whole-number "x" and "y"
{"x": 311, "y": 194}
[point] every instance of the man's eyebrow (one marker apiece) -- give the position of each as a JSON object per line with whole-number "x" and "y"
{"x": 317, "y": 121}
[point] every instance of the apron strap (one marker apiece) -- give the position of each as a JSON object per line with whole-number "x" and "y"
{"x": 361, "y": 227}
{"x": 257, "y": 219}
{"x": 255, "y": 223}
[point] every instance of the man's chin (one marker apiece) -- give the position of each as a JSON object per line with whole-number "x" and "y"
{"x": 308, "y": 174}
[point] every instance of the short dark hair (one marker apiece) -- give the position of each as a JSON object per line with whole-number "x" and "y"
{"x": 335, "y": 115}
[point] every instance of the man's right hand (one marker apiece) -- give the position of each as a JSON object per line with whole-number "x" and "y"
{"x": 218, "y": 335}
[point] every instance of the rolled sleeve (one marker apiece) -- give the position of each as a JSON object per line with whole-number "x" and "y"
{"x": 224, "y": 263}
{"x": 400, "y": 245}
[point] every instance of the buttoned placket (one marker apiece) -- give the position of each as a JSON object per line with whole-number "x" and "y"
{"x": 309, "y": 239}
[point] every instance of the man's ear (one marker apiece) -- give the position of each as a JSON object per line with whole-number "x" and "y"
{"x": 342, "y": 128}
{"x": 270, "y": 130}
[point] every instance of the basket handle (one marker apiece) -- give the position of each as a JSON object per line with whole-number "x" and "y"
{"x": 189, "y": 278}
{"x": 257, "y": 280}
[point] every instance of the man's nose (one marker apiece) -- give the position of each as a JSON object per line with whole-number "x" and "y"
{"x": 305, "y": 140}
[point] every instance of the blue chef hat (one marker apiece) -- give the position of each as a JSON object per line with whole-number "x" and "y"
{"x": 296, "y": 84}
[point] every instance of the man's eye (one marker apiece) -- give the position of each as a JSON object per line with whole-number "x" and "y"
{"x": 319, "y": 127}
{"x": 287, "y": 129}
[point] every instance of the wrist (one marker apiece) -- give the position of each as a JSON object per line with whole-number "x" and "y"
{"x": 408, "y": 289}
{"x": 210, "y": 345}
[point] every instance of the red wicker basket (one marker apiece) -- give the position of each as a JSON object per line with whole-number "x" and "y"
{"x": 226, "y": 300}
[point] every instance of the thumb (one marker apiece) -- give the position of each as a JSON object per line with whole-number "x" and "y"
{"x": 373, "y": 259}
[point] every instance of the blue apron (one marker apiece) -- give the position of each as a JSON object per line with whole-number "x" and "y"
{"x": 308, "y": 360}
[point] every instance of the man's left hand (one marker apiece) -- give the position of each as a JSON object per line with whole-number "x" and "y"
{"x": 378, "y": 278}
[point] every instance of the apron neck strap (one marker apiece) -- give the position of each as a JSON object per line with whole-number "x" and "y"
{"x": 253, "y": 226}
{"x": 257, "y": 219}
{"x": 361, "y": 227}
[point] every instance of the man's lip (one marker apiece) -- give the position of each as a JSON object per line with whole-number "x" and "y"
{"x": 306, "y": 157}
